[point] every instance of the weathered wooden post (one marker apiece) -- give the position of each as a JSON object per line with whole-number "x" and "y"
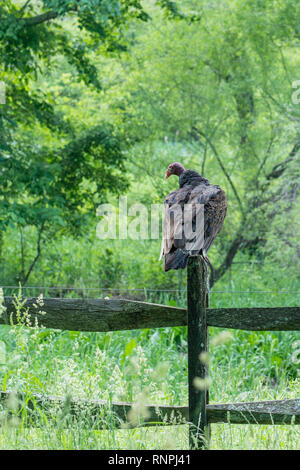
{"x": 197, "y": 303}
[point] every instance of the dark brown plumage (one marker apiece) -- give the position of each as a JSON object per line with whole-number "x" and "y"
{"x": 193, "y": 190}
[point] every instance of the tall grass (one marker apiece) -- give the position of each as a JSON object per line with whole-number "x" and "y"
{"x": 120, "y": 366}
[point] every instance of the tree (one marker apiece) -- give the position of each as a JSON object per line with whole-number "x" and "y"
{"x": 223, "y": 86}
{"x": 53, "y": 172}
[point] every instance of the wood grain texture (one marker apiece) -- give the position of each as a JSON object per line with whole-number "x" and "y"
{"x": 98, "y": 314}
{"x": 197, "y": 300}
{"x": 256, "y": 319}
{"x": 112, "y": 315}
{"x": 264, "y": 412}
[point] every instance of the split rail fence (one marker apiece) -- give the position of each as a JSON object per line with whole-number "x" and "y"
{"x": 112, "y": 315}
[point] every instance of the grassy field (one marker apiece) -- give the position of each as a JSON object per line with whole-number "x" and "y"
{"x": 151, "y": 365}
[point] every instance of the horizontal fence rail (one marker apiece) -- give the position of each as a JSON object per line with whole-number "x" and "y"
{"x": 113, "y": 315}
{"x": 263, "y": 412}
{"x": 99, "y": 315}
{"x": 100, "y": 414}
{"x": 97, "y": 411}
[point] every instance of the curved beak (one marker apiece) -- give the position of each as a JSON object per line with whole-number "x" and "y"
{"x": 167, "y": 174}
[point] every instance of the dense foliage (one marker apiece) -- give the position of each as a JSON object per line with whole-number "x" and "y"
{"x": 103, "y": 94}
{"x": 100, "y": 96}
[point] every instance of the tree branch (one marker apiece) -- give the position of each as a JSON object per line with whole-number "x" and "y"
{"x": 221, "y": 165}
{"x": 267, "y": 154}
{"x": 24, "y": 7}
{"x": 258, "y": 202}
{"x": 280, "y": 168}
{"x": 35, "y": 20}
{"x": 43, "y": 17}
{"x": 38, "y": 253}
{"x": 234, "y": 248}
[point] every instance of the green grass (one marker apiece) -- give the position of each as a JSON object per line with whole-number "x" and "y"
{"x": 120, "y": 366}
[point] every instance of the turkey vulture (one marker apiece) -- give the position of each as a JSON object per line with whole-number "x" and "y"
{"x": 205, "y": 203}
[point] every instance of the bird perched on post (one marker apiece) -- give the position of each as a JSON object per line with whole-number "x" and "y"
{"x": 193, "y": 216}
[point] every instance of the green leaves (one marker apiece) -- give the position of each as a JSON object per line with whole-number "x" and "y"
{"x": 130, "y": 347}
{"x": 172, "y": 10}
{"x": 54, "y": 169}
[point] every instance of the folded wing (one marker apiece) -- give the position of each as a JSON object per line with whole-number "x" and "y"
{"x": 193, "y": 217}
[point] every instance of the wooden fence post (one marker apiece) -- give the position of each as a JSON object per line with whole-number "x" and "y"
{"x": 197, "y": 303}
